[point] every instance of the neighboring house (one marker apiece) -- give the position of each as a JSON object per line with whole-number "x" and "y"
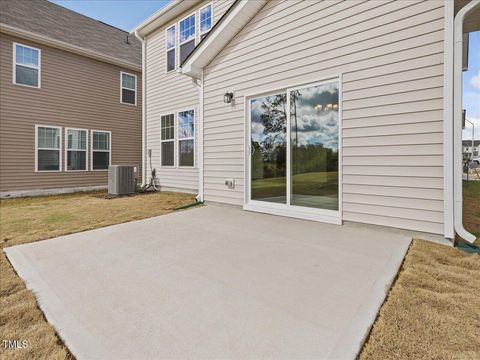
{"x": 70, "y": 99}
{"x": 467, "y": 147}
{"x": 323, "y": 110}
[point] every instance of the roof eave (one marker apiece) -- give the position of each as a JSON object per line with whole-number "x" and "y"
{"x": 41, "y": 39}
{"x": 163, "y": 16}
{"x": 220, "y": 36}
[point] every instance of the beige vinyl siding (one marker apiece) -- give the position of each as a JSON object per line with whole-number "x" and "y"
{"x": 168, "y": 93}
{"x": 76, "y": 92}
{"x": 390, "y": 55}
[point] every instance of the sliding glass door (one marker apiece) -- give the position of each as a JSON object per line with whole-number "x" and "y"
{"x": 314, "y": 146}
{"x": 293, "y": 156}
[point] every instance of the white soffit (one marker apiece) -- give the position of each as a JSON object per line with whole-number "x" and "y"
{"x": 221, "y": 35}
{"x": 163, "y": 16}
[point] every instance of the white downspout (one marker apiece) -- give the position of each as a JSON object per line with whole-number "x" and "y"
{"x": 199, "y": 84}
{"x": 449, "y": 231}
{"x": 144, "y": 70}
{"x": 457, "y": 121}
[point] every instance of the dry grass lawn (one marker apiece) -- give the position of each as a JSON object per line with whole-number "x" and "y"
{"x": 433, "y": 309}
{"x": 31, "y": 219}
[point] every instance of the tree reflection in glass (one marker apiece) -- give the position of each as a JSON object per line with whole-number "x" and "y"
{"x": 268, "y": 148}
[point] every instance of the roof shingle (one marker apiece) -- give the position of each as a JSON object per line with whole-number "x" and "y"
{"x": 48, "y": 19}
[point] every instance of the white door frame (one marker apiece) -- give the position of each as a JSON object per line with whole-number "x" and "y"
{"x": 288, "y": 210}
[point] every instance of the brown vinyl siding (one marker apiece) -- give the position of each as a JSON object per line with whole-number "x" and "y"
{"x": 76, "y": 92}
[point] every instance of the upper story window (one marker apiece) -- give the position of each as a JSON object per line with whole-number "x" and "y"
{"x": 187, "y": 29}
{"x": 170, "y": 46}
{"x": 183, "y": 36}
{"x": 128, "y": 88}
{"x": 186, "y": 38}
{"x": 27, "y": 65}
{"x": 205, "y": 20}
{"x": 47, "y": 144}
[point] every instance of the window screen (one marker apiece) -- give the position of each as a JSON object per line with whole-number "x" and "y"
{"x": 27, "y": 65}
{"x": 100, "y": 150}
{"x": 48, "y": 148}
{"x": 167, "y": 127}
{"x": 76, "y": 149}
{"x": 186, "y": 134}
{"x": 129, "y": 88}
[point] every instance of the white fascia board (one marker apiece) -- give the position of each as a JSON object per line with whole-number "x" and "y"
{"x": 163, "y": 16}
{"x": 221, "y": 35}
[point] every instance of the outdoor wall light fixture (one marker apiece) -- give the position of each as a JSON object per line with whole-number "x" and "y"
{"x": 228, "y": 97}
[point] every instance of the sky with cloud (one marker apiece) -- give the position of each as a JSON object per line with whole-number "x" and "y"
{"x": 471, "y": 87}
{"x": 317, "y": 119}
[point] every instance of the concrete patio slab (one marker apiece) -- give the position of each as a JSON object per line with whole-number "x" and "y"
{"x": 213, "y": 282}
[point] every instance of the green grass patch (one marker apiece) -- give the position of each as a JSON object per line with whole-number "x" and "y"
{"x": 59, "y": 218}
{"x": 471, "y": 208}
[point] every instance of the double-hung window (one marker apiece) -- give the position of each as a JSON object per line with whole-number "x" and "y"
{"x": 48, "y": 155}
{"x": 170, "y": 45}
{"x": 128, "y": 88}
{"x": 167, "y": 125}
{"x": 186, "y": 37}
{"x": 101, "y": 149}
{"x": 76, "y": 145}
{"x": 186, "y": 138}
{"x": 27, "y": 65}
{"x": 205, "y": 16}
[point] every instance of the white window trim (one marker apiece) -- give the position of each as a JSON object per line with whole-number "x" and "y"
{"x": 39, "y": 67}
{"x": 199, "y": 19}
{"x": 121, "y": 88}
{"x": 174, "y": 48}
{"x": 66, "y": 149}
{"x": 59, "y": 149}
{"x": 195, "y": 28}
{"x": 109, "y": 151}
{"x": 188, "y": 138}
{"x": 174, "y": 140}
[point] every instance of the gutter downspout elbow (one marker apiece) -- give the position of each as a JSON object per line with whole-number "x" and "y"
{"x": 199, "y": 84}
{"x": 457, "y": 121}
{"x": 144, "y": 161}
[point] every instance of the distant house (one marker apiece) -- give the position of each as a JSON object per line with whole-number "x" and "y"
{"x": 330, "y": 111}
{"x": 467, "y": 147}
{"x": 70, "y": 99}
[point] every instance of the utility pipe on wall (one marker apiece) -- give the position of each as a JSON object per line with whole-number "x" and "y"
{"x": 457, "y": 121}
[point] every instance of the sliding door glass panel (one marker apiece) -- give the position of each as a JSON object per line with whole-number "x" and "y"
{"x": 268, "y": 148}
{"x": 314, "y": 146}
